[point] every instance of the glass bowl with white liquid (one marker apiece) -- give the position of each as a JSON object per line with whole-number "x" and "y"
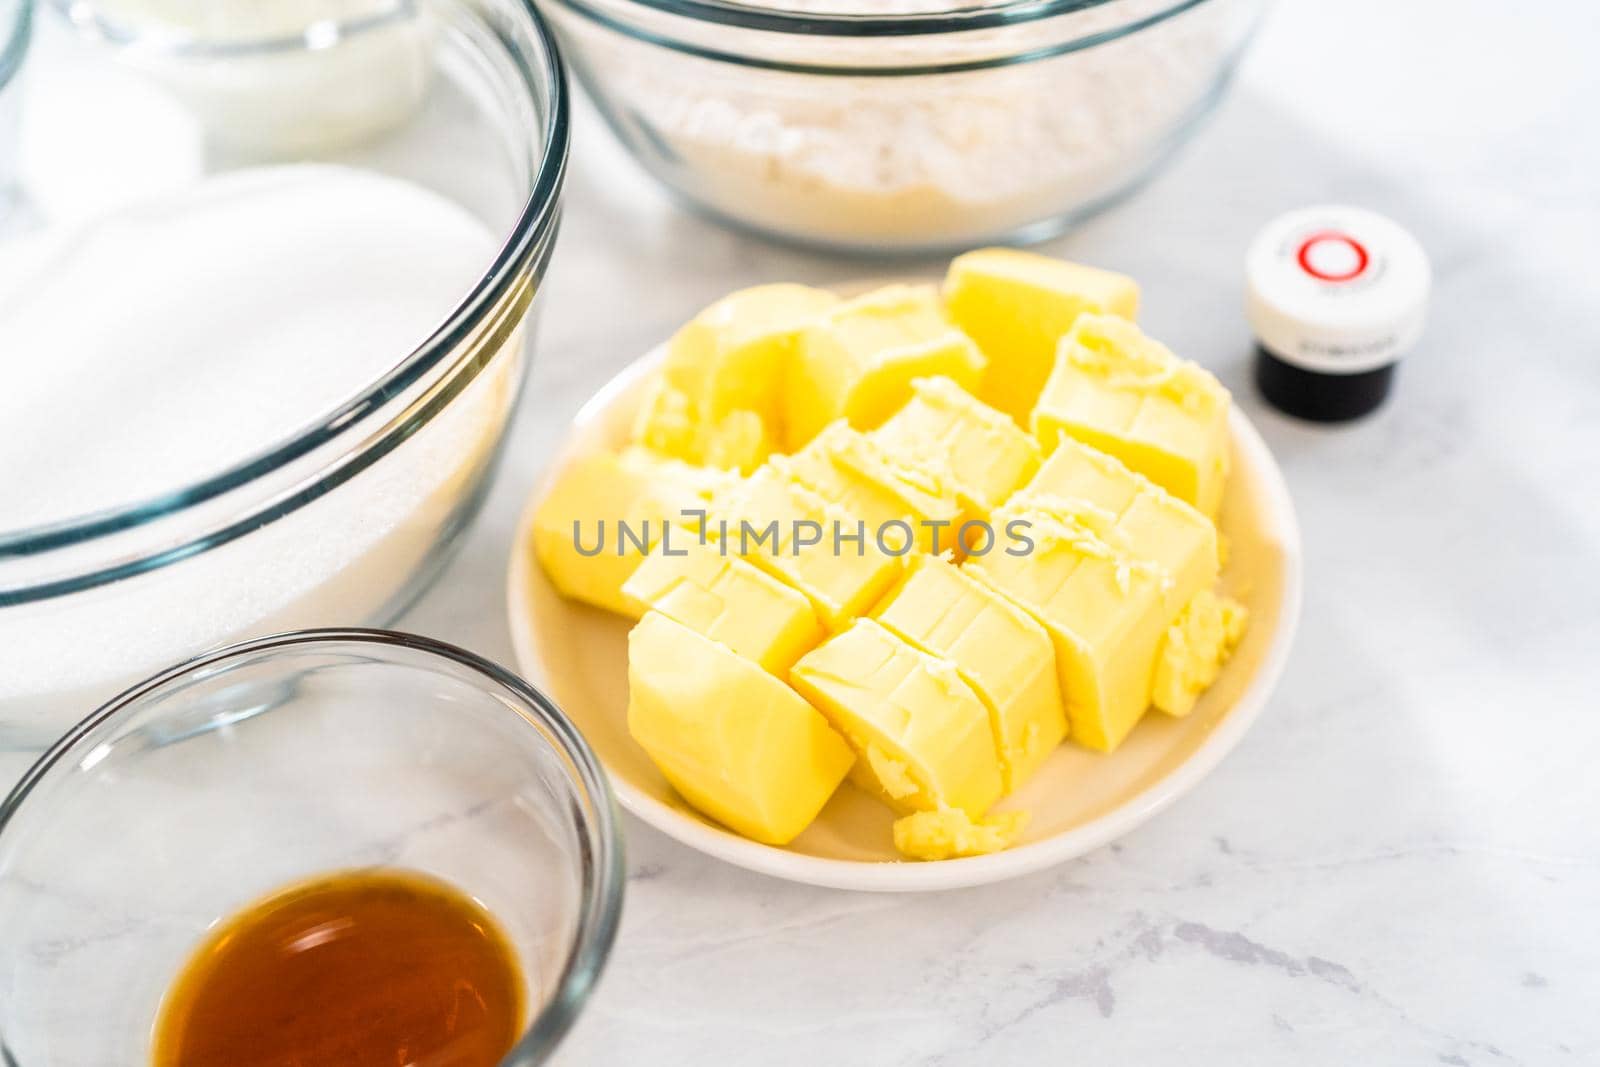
{"x": 289, "y": 758}
{"x": 256, "y": 374}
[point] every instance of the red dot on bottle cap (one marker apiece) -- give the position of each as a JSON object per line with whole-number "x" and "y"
{"x": 1332, "y": 256}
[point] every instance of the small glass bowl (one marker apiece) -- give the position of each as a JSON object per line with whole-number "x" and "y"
{"x": 279, "y": 79}
{"x": 345, "y": 519}
{"x": 934, "y": 127}
{"x": 199, "y": 791}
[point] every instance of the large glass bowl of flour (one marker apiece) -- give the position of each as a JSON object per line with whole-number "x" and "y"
{"x": 903, "y": 126}
{"x": 265, "y": 296}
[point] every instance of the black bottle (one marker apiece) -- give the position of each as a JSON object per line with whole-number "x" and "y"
{"x": 1336, "y": 296}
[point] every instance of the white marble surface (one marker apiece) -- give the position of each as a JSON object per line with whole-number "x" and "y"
{"x": 1401, "y": 864}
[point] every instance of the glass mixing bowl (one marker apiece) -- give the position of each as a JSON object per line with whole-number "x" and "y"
{"x": 206, "y": 787}
{"x": 345, "y": 520}
{"x": 15, "y": 19}
{"x": 893, "y": 126}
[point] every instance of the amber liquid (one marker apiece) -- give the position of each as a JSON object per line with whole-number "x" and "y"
{"x": 358, "y": 969}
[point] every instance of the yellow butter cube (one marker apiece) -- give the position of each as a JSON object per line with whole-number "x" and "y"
{"x": 604, "y": 513}
{"x": 728, "y": 600}
{"x": 666, "y": 423}
{"x": 1105, "y": 594}
{"x": 1163, "y": 530}
{"x": 1104, "y": 612}
{"x": 716, "y": 398}
{"x": 1000, "y": 651}
{"x": 1017, "y": 306}
{"x": 1128, "y": 395}
{"x": 1075, "y": 471}
{"x": 952, "y": 833}
{"x": 921, "y": 735}
{"x": 734, "y": 355}
{"x": 1148, "y": 522}
{"x": 857, "y": 361}
{"x": 1196, "y": 647}
{"x": 979, "y": 452}
{"x": 735, "y": 742}
{"x": 738, "y": 441}
{"x": 849, "y": 468}
{"x": 803, "y": 539}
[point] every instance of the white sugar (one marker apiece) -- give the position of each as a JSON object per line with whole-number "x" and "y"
{"x": 160, "y": 344}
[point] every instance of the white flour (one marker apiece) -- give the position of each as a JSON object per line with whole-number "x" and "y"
{"x": 905, "y": 161}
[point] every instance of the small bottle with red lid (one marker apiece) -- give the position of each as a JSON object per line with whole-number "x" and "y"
{"x": 1336, "y": 296}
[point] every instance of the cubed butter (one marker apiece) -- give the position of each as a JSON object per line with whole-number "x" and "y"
{"x": 666, "y": 423}
{"x": 1148, "y": 522}
{"x": 801, "y": 538}
{"x": 851, "y": 469}
{"x": 604, "y": 513}
{"x": 950, "y": 834}
{"x": 717, "y": 398}
{"x": 734, "y": 355}
{"x": 1106, "y": 607}
{"x": 858, "y": 360}
{"x": 1075, "y": 471}
{"x": 1128, "y": 395}
{"x": 1162, "y": 529}
{"x": 1196, "y": 647}
{"x": 728, "y": 600}
{"x": 735, "y": 742}
{"x": 979, "y": 452}
{"x": 738, "y": 441}
{"x": 1000, "y": 651}
{"x": 1017, "y": 306}
{"x": 921, "y": 735}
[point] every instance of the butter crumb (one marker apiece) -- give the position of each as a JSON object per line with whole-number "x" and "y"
{"x": 1196, "y": 647}
{"x": 951, "y": 833}
{"x": 892, "y": 774}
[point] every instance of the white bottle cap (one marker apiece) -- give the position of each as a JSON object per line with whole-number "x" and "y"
{"x": 1336, "y": 290}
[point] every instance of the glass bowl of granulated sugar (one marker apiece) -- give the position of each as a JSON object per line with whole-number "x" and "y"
{"x": 903, "y": 125}
{"x": 255, "y": 376}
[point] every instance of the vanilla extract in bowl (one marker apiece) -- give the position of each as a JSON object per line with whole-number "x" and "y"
{"x": 365, "y": 968}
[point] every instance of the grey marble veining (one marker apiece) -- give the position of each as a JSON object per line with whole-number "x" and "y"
{"x": 1401, "y": 863}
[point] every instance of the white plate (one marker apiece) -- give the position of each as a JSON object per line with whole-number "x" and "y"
{"x": 1079, "y": 800}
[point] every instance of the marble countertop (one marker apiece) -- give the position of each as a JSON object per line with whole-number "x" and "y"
{"x": 1401, "y": 863}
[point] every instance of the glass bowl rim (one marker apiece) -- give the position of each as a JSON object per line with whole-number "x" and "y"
{"x": 524, "y": 247}
{"x": 604, "y": 884}
{"x": 946, "y": 19}
{"x": 90, "y": 16}
{"x": 14, "y": 42}
{"x": 732, "y": 14}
